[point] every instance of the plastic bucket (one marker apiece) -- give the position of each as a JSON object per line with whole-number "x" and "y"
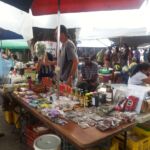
{"x": 47, "y": 142}
{"x": 105, "y": 77}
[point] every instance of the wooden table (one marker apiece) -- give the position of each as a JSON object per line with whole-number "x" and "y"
{"x": 82, "y": 139}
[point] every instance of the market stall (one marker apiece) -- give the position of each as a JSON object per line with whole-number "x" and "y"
{"x": 85, "y": 119}
{"x": 69, "y": 117}
{"x": 79, "y": 134}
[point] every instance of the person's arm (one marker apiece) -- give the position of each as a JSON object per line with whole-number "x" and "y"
{"x": 52, "y": 62}
{"x": 72, "y": 57}
{"x": 39, "y": 65}
{"x": 146, "y": 80}
{"x": 73, "y": 70}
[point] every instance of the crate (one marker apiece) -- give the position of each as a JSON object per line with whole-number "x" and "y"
{"x": 141, "y": 144}
{"x": 141, "y": 131}
{"x": 31, "y": 134}
{"x": 115, "y": 145}
{"x": 135, "y": 140}
{"x": 8, "y": 115}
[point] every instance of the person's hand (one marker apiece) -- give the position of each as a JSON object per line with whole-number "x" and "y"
{"x": 40, "y": 61}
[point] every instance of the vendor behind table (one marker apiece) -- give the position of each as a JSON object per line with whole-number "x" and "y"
{"x": 88, "y": 77}
{"x": 140, "y": 74}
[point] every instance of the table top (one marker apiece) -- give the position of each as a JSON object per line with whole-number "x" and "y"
{"x": 141, "y": 118}
{"x": 81, "y": 138}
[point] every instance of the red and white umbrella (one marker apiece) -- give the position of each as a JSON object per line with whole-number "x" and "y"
{"x": 43, "y": 7}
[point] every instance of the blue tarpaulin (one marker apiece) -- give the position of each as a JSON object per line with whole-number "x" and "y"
{"x": 6, "y": 34}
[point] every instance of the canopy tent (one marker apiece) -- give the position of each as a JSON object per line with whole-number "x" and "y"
{"x": 102, "y": 24}
{"x": 6, "y": 34}
{"x": 16, "y": 20}
{"x": 14, "y": 44}
{"x": 132, "y": 41}
{"x": 42, "y": 7}
{"x": 12, "y": 40}
{"x": 94, "y": 43}
{"x": 144, "y": 46}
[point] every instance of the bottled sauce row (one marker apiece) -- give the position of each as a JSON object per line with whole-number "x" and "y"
{"x": 86, "y": 98}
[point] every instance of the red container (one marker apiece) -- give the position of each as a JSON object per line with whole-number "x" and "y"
{"x": 31, "y": 134}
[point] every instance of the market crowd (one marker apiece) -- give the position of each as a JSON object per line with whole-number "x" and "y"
{"x": 122, "y": 64}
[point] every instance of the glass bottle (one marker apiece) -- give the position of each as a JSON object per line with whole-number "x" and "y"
{"x": 81, "y": 98}
{"x": 109, "y": 93}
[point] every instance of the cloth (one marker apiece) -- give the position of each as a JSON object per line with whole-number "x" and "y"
{"x": 67, "y": 55}
{"x": 89, "y": 72}
{"x": 137, "y": 78}
{"x": 45, "y": 71}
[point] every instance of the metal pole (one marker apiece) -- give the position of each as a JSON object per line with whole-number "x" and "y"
{"x": 1, "y": 43}
{"x": 58, "y": 48}
{"x": 58, "y": 32}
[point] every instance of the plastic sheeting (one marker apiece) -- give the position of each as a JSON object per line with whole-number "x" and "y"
{"x": 94, "y": 43}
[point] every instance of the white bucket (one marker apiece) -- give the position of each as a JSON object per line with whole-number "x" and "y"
{"x": 47, "y": 142}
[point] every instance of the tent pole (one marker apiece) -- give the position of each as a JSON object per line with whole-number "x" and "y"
{"x": 1, "y": 45}
{"x": 58, "y": 32}
{"x": 58, "y": 48}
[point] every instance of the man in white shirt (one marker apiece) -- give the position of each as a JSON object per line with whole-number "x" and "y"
{"x": 137, "y": 79}
{"x": 140, "y": 75}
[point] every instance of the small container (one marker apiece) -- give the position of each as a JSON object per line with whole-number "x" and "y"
{"x": 47, "y": 142}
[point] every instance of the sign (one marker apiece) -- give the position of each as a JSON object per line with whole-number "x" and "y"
{"x": 46, "y": 46}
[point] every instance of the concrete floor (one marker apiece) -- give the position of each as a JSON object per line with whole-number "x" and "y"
{"x": 11, "y": 140}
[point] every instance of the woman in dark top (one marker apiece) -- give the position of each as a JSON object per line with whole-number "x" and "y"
{"x": 46, "y": 67}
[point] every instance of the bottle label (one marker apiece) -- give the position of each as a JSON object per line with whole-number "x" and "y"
{"x": 108, "y": 99}
{"x": 109, "y": 96}
{"x": 93, "y": 101}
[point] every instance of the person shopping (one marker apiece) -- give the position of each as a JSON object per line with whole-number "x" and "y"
{"x": 88, "y": 79}
{"x": 140, "y": 75}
